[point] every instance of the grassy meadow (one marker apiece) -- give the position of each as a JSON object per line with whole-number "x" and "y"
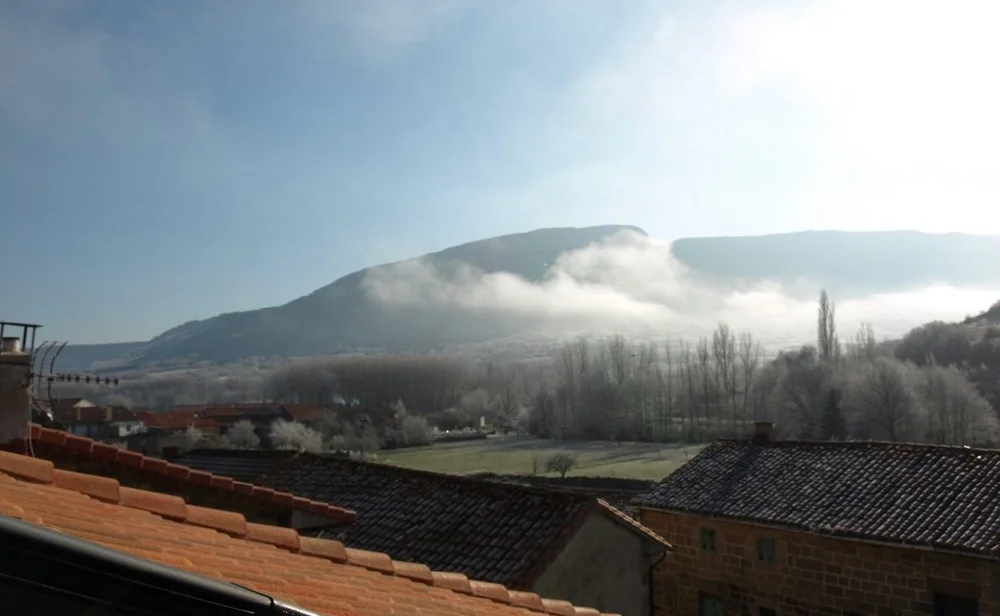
{"x": 513, "y": 455}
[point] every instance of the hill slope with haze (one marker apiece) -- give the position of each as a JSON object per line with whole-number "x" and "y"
{"x": 473, "y": 285}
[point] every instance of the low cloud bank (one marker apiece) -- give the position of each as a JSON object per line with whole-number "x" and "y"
{"x": 631, "y": 283}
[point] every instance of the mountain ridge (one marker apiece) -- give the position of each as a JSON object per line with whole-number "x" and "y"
{"x": 340, "y": 317}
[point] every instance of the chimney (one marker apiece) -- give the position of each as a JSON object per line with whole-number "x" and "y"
{"x": 762, "y": 431}
{"x": 107, "y": 414}
{"x": 15, "y": 404}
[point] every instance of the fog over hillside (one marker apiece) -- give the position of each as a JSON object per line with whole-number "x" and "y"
{"x": 522, "y": 293}
{"x": 629, "y": 283}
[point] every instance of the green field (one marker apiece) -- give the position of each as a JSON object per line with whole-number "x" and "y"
{"x": 513, "y": 455}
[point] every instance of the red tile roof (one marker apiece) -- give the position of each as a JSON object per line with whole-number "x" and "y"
{"x": 304, "y": 412}
{"x": 57, "y": 446}
{"x": 187, "y": 408}
{"x": 238, "y": 410}
{"x": 174, "y": 420}
{"x": 316, "y": 574}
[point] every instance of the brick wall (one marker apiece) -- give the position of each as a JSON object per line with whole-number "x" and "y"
{"x": 811, "y": 575}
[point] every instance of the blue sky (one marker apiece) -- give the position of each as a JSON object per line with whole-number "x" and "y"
{"x": 168, "y": 161}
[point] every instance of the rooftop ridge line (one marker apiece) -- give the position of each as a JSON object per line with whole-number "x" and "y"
{"x": 462, "y": 480}
{"x": 173, "y": 508}
{"x": 859, "y": 444}
{"x": 93, "y": 450}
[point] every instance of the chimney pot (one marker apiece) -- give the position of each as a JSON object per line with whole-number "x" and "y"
{"x": 15, "y": 401}
{"x": 762, "y": 431}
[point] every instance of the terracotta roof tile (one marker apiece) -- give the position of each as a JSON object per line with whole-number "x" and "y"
{"x": 315, "y": 574}
{"x": 58, "y": 446}
{"x": 502, "y": 533}
{"x": 928, "y": 495}
{"x": 103, "y": 488}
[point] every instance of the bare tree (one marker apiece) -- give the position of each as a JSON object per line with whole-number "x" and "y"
{"x": 294, "y": 435}
{"x": 749, "y": 355}
{"x": 880, "y": 401}
{"x": 798, "y": 394}
{"x": 561, "y": 463}
{"x": 242, "y": 435}
{"x": 954, "y": 412}
{"x": 865, "y": 346}
{"x": 416, "y": 431}
{"x": 192, "y": 437}
{"x": 724, "y": 366}
{"x": 509, "y": 395}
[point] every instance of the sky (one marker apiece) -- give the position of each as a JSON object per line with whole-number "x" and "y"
{"x": 168, "y": 161}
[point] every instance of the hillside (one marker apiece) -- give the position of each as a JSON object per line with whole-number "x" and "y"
{"x": 341, "y": 317}
{"x": 973, "y": 345}
{"x": 848, "y": 264}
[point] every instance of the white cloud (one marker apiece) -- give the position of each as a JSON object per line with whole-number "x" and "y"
{"x": 828, "y": 114}
{"x": 903, "y": 91}
{"x": 631, "y": 283}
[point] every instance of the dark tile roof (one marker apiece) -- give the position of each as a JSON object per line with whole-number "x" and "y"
{"x": 319, "y": 575}
{"x": 241, "y": 464}
{"x": 597, "y": 487}
{"x": 934, "y": 496}
{"x": 60, "y": 447}
{"x": 490, "y": 531}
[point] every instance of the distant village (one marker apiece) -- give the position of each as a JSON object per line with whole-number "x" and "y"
{"x": 189, "y": 426}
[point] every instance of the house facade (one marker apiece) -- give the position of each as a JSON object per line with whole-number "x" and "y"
{"x": 768, "y": 528}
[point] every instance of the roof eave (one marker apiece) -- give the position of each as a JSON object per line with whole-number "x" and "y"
{"x": 831, "y": 533}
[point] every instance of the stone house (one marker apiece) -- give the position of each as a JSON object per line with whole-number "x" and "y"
{"x": 101, "y": 422}
{"x": 560, "y": 544}
{"x": 766, "y": 527}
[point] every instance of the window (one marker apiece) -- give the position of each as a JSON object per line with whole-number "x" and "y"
{"x": 766, "y": 611}
{"x": 709, "y": 605}
{"x": 708, "y": 539}
{"x": 948, "y": 605}
{"x": 765, "y": 550}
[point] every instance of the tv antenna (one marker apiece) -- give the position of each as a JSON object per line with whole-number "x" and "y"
{"x": 43, "y": 375}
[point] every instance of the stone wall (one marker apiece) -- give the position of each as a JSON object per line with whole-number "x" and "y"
{"x": 605, "y": 566}
{"x": 811, "y": 574}
{"x": 15, "y": 405}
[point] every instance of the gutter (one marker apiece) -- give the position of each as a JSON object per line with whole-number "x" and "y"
{"x": 48, "y": 566}
{"x": 649, "y": 574}
{"x": 829, "y": 534}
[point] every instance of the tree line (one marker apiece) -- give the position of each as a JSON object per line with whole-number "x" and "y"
{"x": 926, "y": 387}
